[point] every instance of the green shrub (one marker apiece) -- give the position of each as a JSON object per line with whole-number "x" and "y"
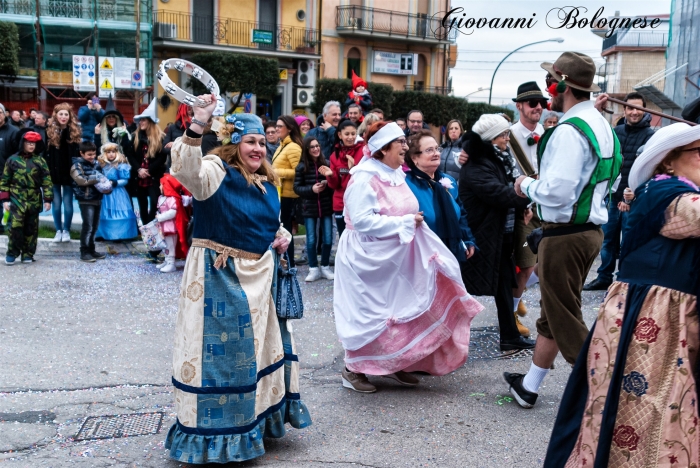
{"x": 9, "y": 49}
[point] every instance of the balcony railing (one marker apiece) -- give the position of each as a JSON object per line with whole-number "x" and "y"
{"x": 444, "y": 90}
{"x": 112, "y": 10}
{"x": 203, "y": 29}
{"x": 635, "y": 39}
{"x": 374, "y": 20}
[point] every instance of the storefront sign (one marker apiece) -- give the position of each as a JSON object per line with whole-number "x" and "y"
{"x": 394, "y": 63}
{"x": 261, "y": 37}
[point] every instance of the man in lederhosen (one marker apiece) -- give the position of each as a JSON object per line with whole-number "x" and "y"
{"x": 579, "y": 160}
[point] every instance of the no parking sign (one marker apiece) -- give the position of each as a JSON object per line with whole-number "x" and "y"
{"x": 136, "y": 79}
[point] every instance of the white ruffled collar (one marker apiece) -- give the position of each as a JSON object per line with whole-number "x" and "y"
{"x": 386, "y": 174}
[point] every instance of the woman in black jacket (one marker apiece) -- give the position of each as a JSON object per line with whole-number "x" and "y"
{"x": 487, "y": 193}
{"x": 147, "y": 158}
{"x": 317, "y": 206}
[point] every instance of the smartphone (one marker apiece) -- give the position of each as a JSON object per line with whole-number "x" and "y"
{"x": 95, "y": 100}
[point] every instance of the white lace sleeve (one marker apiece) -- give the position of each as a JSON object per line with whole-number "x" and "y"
{"x": 202, "y": 176}
{"x": 362, "y": 206}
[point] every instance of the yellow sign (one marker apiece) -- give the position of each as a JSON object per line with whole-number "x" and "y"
{"x": 106, "y": 65}
{"x": 91, "y": 81}
{"x": 77, "y": 81}
{"x": 283, "y": 74}
{"x": 106, "y": 84}
{"x": 56, "y": 77}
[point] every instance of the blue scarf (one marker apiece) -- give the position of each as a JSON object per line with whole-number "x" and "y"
{"x": 648, "y": 213}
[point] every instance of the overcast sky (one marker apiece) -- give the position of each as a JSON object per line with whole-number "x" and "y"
{"x": 480, "y": 52}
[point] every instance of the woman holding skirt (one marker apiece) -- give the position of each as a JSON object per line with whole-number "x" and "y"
{"x": 235, "y": 368}
{"x": 632, "y": 398}
{"x": 399, "y": 300}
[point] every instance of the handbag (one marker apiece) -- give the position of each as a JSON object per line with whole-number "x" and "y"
{"x": 152, "y": 236}
{"x": 288, "y": 302}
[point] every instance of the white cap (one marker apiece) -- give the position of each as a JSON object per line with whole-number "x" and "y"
{"x": 489, "y": 126}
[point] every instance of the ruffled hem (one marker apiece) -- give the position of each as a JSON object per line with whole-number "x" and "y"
{"x": 200, "y": 449}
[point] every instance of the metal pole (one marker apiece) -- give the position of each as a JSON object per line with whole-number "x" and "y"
{"x": 644, "y": 109}
{"x": 504, "y": 59}
{"x": 37, "y": 26}
{"x": 137, "y": 94}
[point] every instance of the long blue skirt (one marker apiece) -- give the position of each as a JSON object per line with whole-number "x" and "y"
{"x": 117, "y": 218}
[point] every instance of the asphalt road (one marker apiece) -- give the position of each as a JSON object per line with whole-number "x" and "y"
{"x": 79, "y": 340}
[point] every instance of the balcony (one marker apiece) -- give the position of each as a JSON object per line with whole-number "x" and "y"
{"x": 633, "y": 39}
{"x": 233, "y": 34}
{"x": 388, "y": 24}
{"x": 58, "y": 11}
{"x": 444, "y": 90}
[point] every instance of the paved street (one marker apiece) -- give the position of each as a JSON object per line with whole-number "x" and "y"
{"x": 79, "y": 340}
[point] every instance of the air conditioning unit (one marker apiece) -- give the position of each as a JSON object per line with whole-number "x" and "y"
{"x": 166, "y": 31}
{"x": 306, "y": 74}
{"x": 302, "y": 97}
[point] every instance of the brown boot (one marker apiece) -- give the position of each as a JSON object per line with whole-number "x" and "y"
{"x": 357, "y": 382}
{"x": 521, "y": 328}
{"x": 522, "y": 308}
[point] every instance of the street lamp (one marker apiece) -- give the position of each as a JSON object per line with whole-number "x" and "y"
{"x": 477, "y": 91}
{"x": 556, "y": 39}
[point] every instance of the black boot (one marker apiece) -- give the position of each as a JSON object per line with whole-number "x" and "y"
{"x": 597, "y": 285}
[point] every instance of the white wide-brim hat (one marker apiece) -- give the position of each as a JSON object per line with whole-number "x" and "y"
{"x": 657, "y": 148}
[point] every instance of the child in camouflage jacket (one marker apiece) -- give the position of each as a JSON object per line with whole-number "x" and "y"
{"x": 25, "y": 177}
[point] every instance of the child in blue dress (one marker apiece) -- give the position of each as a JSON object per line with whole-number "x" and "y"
{"x": 117, "y": 218}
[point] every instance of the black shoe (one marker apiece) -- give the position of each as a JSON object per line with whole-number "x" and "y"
{"x": 303, "y": 260}
{"x": 97, "y": 255}
{"x": 523, "y": 397}
{"x": 597, "y": 285}
{"x": 517, "y": 344}
{"x": 86, "y": 257}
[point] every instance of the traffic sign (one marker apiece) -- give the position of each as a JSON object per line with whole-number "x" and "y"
{"x": 136, "y": 79}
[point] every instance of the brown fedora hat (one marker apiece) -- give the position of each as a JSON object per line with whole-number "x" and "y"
{"x": 578, "y": 70}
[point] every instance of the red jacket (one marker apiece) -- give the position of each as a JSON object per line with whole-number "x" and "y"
{"x": 173, "y": 188}
{"x": 341, "y": 172}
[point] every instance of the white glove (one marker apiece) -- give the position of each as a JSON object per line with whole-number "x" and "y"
{"x": 186, "y": 200}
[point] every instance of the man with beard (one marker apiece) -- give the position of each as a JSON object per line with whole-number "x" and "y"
{"x": 355, "y": 114}
{"x": 633, "y": 132}
{"x": 525, "y": 134}
{"x": 579, "y": 160}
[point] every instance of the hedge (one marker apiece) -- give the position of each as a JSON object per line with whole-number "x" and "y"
{"x": 437, "y": 109}
{"x": 9, "y": 49}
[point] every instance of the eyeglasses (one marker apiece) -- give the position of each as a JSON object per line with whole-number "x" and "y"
{"x": 429, "y": 151}
{"x": 271, "y": 132}
{"x": 505, "y": 134}
{"x": 401, "y": 141}
{"x": 314, "y": 147}
{"x": 549, "y": 79}
{"x": 533, "y": 103}
{"x": 695, "y": 150}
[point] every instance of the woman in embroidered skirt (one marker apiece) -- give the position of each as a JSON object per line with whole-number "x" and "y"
{"x": 399, "y": 301}
{"x": 235, "y": 369}
{"x": 632, "y": 398}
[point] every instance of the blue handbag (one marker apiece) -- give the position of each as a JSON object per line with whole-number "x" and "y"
{"x": 288, "y": 302}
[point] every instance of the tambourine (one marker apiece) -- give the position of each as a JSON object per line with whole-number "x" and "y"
{"x": 191, "y": 69}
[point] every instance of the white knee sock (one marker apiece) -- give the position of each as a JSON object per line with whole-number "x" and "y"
{"x": 516, "y": 302}
{"x": 534, "y": 377}
{"x": 532, "y": 280}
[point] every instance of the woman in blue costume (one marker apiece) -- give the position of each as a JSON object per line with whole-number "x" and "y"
{"x": 117, "y": 217}
{"x": 437, "y": 196}
{"x": 632, "y": 398}
{"x": 235, "y": 368}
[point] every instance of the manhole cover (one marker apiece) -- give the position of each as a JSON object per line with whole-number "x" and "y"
{"x": 120, "y": 425}
{"x": 485, "y": 344}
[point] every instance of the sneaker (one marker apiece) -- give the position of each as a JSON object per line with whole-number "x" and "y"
{"x": 522, "y": 308}
{"x": 313, "y": 275}
{"x": 27, "y": 259}
{"x": 327, "y": 273}
{"x": 97, "y": 255}
{"x": 58, "y": 237}
{"x": 357, "y": 382}
{"x": 10, "y": 260}
{"x": 169, "y": 265}
{"x": 524, "y": 331}
{"x": 523, "y": 397}
{"x": 303, "y": 260}
{"x": 404, "y": 378}
{"x": 65, "y": 236}
{"x": 517, "y": 344}
{"x": 86, "y": 257}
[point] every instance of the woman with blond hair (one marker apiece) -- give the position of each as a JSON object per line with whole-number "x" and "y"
{"x": 369, "y": 119}
{"x": 147, "y": 157}
{"x": 235, "y": 368}
{"x": 64, "y": 136}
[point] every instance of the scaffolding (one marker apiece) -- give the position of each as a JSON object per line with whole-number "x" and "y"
{"x": 684, "y": 85}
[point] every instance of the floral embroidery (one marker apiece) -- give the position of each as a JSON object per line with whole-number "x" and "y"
{"x": 597, "y": 356}
{"x": 618, "y": 322}
{"x": 647, "y": 330}
{"x": 680, "y": 362}
{"x": 673, "y": 459}
{"x": 626, "y": 437}
{"x": 445, "y": 182}
{"x": 684, "y": 343}
{"x": 636, "y": 383}
{"x": 187, "y": 372}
